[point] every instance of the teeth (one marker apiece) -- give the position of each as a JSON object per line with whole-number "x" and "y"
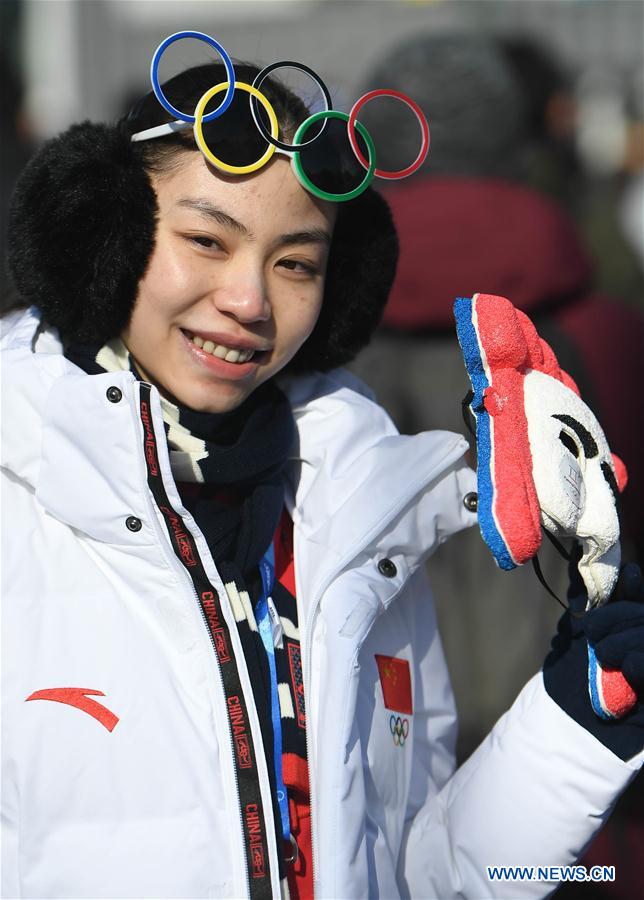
{"x": 221, "y": 352}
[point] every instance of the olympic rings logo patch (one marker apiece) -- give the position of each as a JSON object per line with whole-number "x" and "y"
{"x": 399, "y": 729}
{"x": 184, "y": 120}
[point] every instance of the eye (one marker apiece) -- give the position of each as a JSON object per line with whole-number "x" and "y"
{"x": 208, "y": 243}
{"x": 586, "y": 440}
{"x": 610, "y": 478}
{"x": 569, "y": 443}
{"x": 299, "y": 267}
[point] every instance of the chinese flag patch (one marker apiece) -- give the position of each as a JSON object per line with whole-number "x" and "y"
{"x": 395, "y": 679}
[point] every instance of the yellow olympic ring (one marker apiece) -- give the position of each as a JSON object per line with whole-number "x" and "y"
{"x": 205, "y": 149}
{"x": 399, "y": 729}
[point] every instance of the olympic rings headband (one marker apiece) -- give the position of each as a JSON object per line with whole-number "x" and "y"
{"x": 183, "y": 121}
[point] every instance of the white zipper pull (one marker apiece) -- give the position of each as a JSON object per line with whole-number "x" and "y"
{"x": 276, "y": 624}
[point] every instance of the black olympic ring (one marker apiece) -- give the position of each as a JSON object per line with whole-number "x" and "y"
{"x": 200, "y": 116}
{"x": 254, "y": 106}
{"x": 399, "y": 729}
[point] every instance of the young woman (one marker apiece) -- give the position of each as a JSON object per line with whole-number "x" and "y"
{"x": 222, "y": 674}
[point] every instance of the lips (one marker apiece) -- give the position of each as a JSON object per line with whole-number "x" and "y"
{"x": 236, "y": 351}
{"x": 219, "y": 366}
{"x": 230, "y": 354}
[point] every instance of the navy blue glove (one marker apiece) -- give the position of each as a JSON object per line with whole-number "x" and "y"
{"x": 616, "y": 631}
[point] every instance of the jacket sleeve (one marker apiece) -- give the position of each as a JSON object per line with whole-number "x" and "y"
{"x": 533, "y": 794}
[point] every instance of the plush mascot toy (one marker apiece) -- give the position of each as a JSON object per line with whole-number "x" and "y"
{"x": 543, "y": 461}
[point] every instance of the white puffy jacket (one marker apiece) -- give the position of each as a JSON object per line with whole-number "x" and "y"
{"x": 151, "y": 808}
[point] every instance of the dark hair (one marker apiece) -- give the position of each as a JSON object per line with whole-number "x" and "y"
{"x": 229, "y": 133}
{"x": 83, "y": 220}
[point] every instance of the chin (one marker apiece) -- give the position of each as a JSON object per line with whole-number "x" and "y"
{"x": 214, "y": 399}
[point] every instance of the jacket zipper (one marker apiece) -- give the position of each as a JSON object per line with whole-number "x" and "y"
{"x": 185, "y": 549}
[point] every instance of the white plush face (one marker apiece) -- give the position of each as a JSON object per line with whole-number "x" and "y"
{"x": 575, "y": 479}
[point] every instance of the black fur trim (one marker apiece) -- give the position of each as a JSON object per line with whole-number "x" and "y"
{"x": 360, "y": 272}
{"x": 81, "y": 231}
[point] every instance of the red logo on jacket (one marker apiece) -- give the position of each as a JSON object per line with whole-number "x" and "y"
{"x": 255, "y": 840}
{"x": 181, "y": 536}
{"x": 77, "y": 697}
{"x": 216, "y": 628}
{"x": 240, "y": 733}
{"x": 150, "y": 441}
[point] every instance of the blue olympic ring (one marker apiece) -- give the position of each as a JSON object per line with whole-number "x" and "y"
{"x": 156, "y": 87}
{"x": 399, "y": 729}
{"x": 184, "y": 120}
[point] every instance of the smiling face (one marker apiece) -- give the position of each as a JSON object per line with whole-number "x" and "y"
{"x": 234, "y": 285}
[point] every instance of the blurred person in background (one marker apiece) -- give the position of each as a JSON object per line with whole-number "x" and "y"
{"x": 15, "y": 131}
{"x": 551, "y": 163}
{"x": 631, "y": 211}
{"x": 584, "y": 156}
{"x": 609, "y": 142}
{"x": 474, "y": 223}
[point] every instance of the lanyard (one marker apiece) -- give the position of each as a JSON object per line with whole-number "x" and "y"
{"x": 263, "y": 618}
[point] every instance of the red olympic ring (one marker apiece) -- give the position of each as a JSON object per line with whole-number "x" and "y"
{"x": 399, "y": 729}
{"x": 424, "y": 148}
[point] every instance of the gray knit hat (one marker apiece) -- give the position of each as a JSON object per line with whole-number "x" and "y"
{"x": 470, "y": 96}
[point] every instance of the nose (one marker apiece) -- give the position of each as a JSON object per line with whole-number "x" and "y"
{"x": 243, "y": 295}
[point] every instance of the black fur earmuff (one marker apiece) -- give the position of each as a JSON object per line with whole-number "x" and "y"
{"x": 81, "y": 231}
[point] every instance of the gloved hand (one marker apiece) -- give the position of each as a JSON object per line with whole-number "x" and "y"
{"x": 616, "y": 630}
{"x": 615, "y": 633}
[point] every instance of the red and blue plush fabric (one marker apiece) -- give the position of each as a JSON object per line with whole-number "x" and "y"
{"x": 543, "y": 461}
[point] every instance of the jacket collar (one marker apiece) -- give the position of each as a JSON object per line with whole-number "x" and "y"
{"x": 355, "y": 476}
{"x": 351, "y": 474}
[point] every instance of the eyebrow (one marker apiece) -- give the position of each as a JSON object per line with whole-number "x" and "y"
{"x": 210, "y": 211}
{"x": 588, "y": 442}
{"x": 310, "y": 236}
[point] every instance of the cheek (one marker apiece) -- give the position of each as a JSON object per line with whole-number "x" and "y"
{"x": 561, "y": 484}
{"x": 600, "y": 517}
{"x": 308, "y": 322}
{"x": 157, "y": 303}
{"x": 169, "y": 281}
{"x": 296, "y": 321}
{"x": 558, "y": 478}
{"x": 314, "y": 308}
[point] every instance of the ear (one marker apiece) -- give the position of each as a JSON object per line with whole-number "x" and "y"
{"x": 81, "y": 231}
